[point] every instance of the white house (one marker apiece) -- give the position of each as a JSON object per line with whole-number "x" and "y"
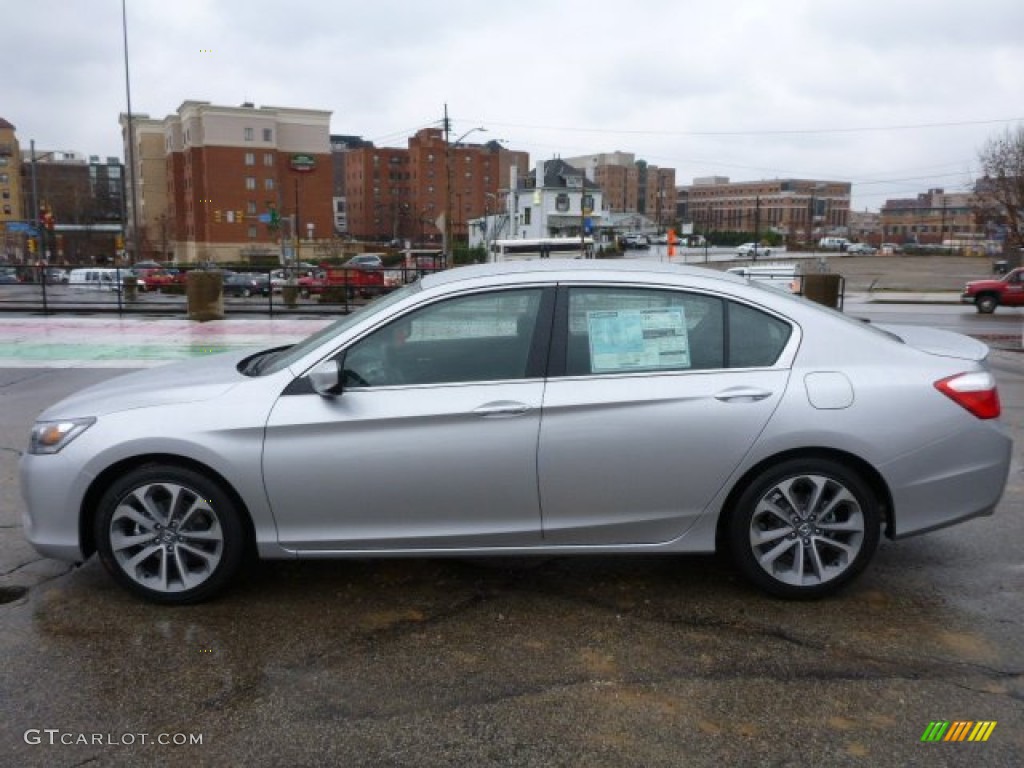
{"x": 553, "y": 200}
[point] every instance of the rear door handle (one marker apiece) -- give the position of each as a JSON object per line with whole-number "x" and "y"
{"x": 501, "y": 408}
{"x": 742, "y": 395}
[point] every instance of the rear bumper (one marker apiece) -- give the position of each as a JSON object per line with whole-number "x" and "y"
{"x": 952, "y": 480}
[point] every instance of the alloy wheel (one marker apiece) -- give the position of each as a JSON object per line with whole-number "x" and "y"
{"x": 807, "y": 530}
{"x": 166, "y": 537}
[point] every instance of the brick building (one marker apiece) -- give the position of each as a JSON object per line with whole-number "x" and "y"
{"x": 226, "y": 170}
{"x": 800, "y": 210}
{"x": 930, "y": 218}
{"x": 403, "y": 192}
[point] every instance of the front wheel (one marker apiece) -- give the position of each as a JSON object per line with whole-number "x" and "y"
{"x": 169, "y": 534}
{"x": 804, "y": 528}
{"x": 987, "y": 304}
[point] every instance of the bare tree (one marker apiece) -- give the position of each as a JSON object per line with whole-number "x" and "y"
{"x": 1001, "y": 189}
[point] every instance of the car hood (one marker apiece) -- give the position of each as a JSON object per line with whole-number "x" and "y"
{"x": 935, "y": 341}
{"x": 186, "y": 382}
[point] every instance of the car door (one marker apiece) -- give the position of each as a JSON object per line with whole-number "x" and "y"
{"x": 650, "y": 406}
{"x": 432, "y": 443}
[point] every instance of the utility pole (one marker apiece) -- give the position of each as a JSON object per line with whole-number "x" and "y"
{"x": 757, "y": 224}
{"x": 446, "y": 234}
{"x": 131, "y": 143}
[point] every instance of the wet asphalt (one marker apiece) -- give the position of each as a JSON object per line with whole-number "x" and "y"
{"x": 597, "y": 661}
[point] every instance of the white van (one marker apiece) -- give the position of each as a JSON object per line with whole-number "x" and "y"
{"x": 785, "y": 277}
{"x": 834, "y": 243}
{"x": 99, "y": 278}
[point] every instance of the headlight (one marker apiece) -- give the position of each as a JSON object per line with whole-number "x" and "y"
{"x": 52, "y": 436}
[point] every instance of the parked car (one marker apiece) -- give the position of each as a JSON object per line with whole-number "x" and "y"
{"x": 246, "y": 284}
{"x": 635, "y": 241}
{"x": 542, "y": 408}
{"x": 8, "y": 276}
{"x": 365, "y": 261}
{"x": 56, "y": 276}
{"x": 158, "y": 279}
{"x": 279, "y": 277}
{"x": 753, "y": 251}
{"x": 988, "y": 294}
{"x": 860, "y": 249}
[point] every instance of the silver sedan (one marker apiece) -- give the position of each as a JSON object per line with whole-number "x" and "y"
{"x": 544, "y": 407}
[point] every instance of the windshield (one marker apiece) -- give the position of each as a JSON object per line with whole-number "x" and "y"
{"x": 289, "y": 355}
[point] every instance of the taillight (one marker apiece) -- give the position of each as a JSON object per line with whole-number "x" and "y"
{"x": 974, "y": 391}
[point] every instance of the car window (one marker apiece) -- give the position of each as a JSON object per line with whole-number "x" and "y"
{"x": 614, "y": 330}
{"x": 482, "y": 337}
{"x": 621, "y": 330}
{"x": 756, "y": 338}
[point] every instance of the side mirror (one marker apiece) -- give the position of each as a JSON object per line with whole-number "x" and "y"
{"x": 325, "y": 378}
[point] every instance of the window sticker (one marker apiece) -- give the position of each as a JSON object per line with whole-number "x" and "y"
{"x": 638, "y": 339}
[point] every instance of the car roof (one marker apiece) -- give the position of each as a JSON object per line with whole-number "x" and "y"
{"x": 547, "y": 267}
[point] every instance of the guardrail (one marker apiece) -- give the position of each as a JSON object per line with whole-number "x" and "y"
{"x": 40, "y": 290}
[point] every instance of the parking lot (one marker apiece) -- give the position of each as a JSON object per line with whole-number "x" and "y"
{"x": 550, "y": 661}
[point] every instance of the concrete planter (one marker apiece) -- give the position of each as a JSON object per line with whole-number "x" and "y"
{"x": 205, "y": 291}
{"x": 290, "y": 295}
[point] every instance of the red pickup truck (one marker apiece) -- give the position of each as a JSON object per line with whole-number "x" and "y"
{"x": 986, "y": 295}
{"x": 364, "y": 278}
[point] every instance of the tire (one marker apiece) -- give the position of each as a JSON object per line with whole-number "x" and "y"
{"x": 804, "y": 528}
{"x": 169, "y": 535}
{"x": 986, "y": 303}
{"x": 246, "y": 293}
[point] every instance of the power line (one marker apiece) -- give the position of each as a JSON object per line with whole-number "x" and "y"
{"x": 762, "y": 132}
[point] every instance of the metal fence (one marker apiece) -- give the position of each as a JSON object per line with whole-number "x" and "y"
{"x": 46, "y": 290}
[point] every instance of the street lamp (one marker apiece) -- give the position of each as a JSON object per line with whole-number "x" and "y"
{"x": 33, "y": 157}
{"x": 447, "y": 244}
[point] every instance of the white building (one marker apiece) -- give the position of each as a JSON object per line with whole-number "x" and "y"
{"x": 554, "y": 200}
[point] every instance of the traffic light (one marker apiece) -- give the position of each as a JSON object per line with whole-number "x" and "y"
{"x": 238, "y": 217}
{"x": 216, "y": 216}
{"x": 118, "y": 242}
{"x": 31, "y": 245}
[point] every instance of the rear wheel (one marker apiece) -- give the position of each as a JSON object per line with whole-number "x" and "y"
{"x": 804, "y": 528}
{"x": 169, "y": 534}
{"x": 986, "y": 303}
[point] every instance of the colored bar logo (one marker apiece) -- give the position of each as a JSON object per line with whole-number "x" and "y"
{"x": 958, "y": 730}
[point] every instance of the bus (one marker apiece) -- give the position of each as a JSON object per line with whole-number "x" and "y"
{"x": 541, "y": 248}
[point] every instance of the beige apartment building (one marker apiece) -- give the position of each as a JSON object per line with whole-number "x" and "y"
{"x": 631, "y": 186}
{"x": 12, "y": 205}
{"x": 156, "y": 231}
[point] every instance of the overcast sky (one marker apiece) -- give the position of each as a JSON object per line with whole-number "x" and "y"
{"x": 895, "y": 96}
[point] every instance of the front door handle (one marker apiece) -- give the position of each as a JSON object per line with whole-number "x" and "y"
{"x": 742, "y": 395}
{"x": 501, "y": 408}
